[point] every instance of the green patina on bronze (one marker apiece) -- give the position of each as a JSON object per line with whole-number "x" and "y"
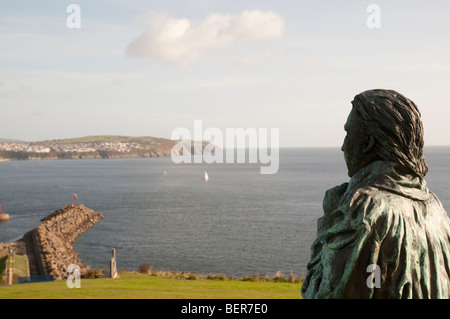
{"x": 385, "y": 215}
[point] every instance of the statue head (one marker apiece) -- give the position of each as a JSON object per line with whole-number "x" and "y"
{"x": 384, "y": 125}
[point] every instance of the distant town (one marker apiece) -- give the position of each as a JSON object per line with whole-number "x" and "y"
{"x": 70, "y": 147}
{"x": 87, "y": 147}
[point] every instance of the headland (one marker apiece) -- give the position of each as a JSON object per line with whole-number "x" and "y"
{"x": 89, "y": 147}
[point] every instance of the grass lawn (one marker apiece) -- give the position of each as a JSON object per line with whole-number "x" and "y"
{"x": 141, "y": 286}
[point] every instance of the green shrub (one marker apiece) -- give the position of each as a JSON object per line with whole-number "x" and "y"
{"x": 192, "y": 277}
{"x": 94, "y": 273}
{"x": 145, "y": 268}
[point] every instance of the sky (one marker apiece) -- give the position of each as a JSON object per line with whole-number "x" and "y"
{"x": 146, "y": 68}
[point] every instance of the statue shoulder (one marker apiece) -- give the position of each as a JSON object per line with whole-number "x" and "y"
{"x": 367, "y": 203}
{"x": 333, "y": 197}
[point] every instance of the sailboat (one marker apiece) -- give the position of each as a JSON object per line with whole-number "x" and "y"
{"x": 206, "y": 177}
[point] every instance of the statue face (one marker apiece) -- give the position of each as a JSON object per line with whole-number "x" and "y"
{"x": 355, "y": 145}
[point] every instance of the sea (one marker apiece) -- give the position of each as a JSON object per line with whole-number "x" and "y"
{"x": 238, "y": 223}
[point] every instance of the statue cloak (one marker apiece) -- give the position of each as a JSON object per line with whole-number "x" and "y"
{"x": 387, "y": 218}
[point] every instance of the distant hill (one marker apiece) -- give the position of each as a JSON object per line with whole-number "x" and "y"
{"x": 10, "y": 140}
{"x": 112, "y": 139}
{"x": 103, "y": 146}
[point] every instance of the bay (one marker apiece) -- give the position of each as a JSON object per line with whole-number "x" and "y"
{"x": 238, "y": 223}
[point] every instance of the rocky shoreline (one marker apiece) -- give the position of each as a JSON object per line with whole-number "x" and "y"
{"x": 49, "y": 247}
{"x": 6, "y": 156}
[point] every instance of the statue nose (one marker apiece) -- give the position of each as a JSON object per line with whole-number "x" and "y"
{"x": 343, "y": 144}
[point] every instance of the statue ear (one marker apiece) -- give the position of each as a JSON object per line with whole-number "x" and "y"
{"x": 369, "y": 143}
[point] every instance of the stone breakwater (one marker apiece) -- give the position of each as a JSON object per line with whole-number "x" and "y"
{"x": 54, "y": 239}
{"x": 17, "y": 248}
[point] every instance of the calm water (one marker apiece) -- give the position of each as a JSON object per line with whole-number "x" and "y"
{"x": 238, "y": 223}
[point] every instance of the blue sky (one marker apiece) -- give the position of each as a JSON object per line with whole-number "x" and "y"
{"x": 144, "y": 68}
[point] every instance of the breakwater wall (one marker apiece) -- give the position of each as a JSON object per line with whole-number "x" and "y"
{"x": 50, "y": 245}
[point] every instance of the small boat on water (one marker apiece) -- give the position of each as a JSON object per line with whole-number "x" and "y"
{"x": 206, "y": 177}
{"x": 3, "y": 217}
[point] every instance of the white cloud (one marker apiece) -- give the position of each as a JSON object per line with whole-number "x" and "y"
{"x": 179, "y": 42}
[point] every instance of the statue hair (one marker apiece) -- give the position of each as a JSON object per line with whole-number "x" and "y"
{"x": 396, "y": 125}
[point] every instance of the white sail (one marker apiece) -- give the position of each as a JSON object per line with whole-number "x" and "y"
{"x": 205, "y": 176}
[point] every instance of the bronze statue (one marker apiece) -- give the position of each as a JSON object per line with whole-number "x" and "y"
{"x": 383, "y": 234}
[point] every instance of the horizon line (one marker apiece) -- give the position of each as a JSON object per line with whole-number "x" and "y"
{"x": 14, "y": 140}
